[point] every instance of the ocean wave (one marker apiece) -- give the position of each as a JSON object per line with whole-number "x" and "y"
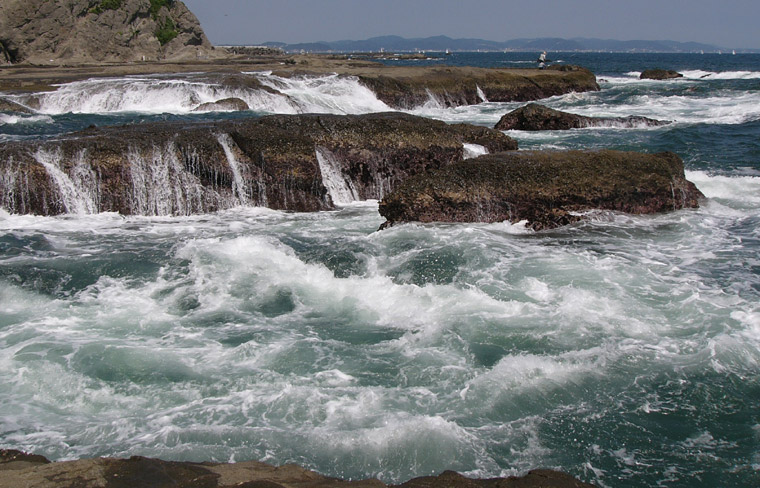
{"x": 8, "y": 119}
{"x": 721, "y": 75}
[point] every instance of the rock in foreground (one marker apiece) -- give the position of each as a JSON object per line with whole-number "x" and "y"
{"x": 659, "y": 74}
{"x": 18, "y": 469}
{"x": 535, "y": 117}
{"x": 546, "y": 189}
{"x": 284, "y": 162}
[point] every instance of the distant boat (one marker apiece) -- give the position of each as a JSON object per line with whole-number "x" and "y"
{"x": 448, "y": 53}
{"x": 733, "y": 52}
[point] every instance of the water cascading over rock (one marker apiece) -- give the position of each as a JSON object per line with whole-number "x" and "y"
{"x": 285, "y": 162}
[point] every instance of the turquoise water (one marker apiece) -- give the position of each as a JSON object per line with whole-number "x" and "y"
{"x": 624, "y": 350}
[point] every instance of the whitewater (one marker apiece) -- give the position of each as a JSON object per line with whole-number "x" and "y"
{"x": 624, "y": 349}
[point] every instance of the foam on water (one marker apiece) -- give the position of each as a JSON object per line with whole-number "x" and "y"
{"x": 474, "y": 150}
{"x": 313, "y": 94}
{"x": 24, "y": 119}
{"x": 623, "y": 349}
{"x": 245, "y": 342}
{"x": 325, "y": 94}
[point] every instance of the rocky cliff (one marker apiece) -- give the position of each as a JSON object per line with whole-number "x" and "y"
{"x": 287, "y": 162}
{"x": 545, "y": 188}
{"x": 82, "y": 31}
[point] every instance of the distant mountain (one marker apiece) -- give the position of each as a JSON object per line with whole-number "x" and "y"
{"x": 442, "y": 43}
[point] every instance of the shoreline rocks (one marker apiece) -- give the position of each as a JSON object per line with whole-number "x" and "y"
{"x": 659, "y": 74}
{"x": 547, "y": 189}
{"x": 283, "y": 162}
{"x": 536, "y": 117}
{"x": 21, "y": 469}
{"x": 407, "y": 88}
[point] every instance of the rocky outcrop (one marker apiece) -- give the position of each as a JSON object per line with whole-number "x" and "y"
{"x": 11, "y": 106}
{"x": 82, "y": 31}
{"x": 455, "y": 86}
{"x": 288, "y": 162}
{"x": 535, "y": 117}
{"x": 546, "y": 189}
{"x": 19, "y": 469}
{"x": 224, "y": 105}
{"x": 659, "y": 74}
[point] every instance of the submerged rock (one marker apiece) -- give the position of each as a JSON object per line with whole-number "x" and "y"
{"x": 226, "y": 104}
{"x": 535, "y": 117}
{"x": 659, "y": 74}
{"x": 29, "y": 470}
{"x": 286, "y": 162}
{"x": 545, "y": 188}
{"x": 11, "y": 106}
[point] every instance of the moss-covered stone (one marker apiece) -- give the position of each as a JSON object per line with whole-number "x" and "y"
{"x": 546, "y": 188}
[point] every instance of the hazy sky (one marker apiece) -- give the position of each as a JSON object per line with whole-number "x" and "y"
{"x": 726, "y": 23}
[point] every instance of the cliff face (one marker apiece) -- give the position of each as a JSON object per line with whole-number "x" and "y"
{"x": 82, "y": 31}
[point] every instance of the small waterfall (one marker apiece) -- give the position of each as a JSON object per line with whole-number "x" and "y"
{"x": 78, "y": 195}
{"x": 333, "y": 93}
{"x": 481, "y": 95}
{"x": 14, "y": 189}
{"x": 238, "y": 183}
{"x": 340, "y": 188}
{"x": 161, "y": 186}
{"x": 473, "y": 150}
{"x": 433, "y": 102}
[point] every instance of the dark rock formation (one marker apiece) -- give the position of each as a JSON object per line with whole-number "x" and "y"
{"x": 11, "y": 106}
{"x": 455, "y": 86}
{"x": 535, "y": 117}
{"x": 19, "y": 469}
{"x": 226, "y": 104}
{"x": 659, "y": 74}
{"x": 545, "y": 188}
{"x": 81, "y": 31}
{"x": 288, "y": 162}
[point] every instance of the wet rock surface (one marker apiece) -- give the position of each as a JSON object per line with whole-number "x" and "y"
{"x": 545, "y": 188}
{"x": 659, "y": 74}
{"x": 451, "y": 87}
{"x": 180, "y": 168}
{"x": 536, "y": 117}
{"x": 20, "y": 469}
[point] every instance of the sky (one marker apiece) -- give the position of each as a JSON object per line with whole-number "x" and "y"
{"x": 724, "y": 23}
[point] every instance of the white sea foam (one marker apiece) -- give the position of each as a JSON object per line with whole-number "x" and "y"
{"x": 474, "y": 150}
{"x": 722, "y": 75}
{"x": 10, "y": 119}
{"x": 325, "y": 94}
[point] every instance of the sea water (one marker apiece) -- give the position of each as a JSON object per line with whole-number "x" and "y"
{"x": 624, "y": 350}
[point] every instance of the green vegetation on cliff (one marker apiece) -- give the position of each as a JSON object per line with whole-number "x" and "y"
{"x": 166, "y": 31}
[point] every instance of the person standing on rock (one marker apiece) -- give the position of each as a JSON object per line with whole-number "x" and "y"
{"x": 541, "y": 60}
